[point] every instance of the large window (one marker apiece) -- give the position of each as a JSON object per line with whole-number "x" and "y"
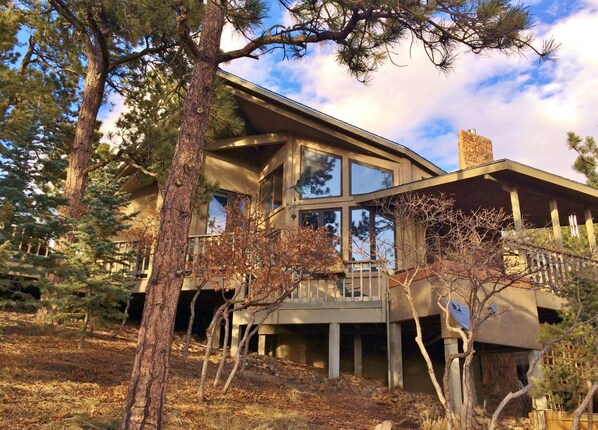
{"x": 271, "y": 190}
{"x": 329, "y": 218}
{"x": 372, "y": 236}
{"x": 320, "y": 175}
{"x": 217, "y": 214}
{"x": 365, "y": 179}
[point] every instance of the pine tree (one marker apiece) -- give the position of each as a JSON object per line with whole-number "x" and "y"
{"x": 94, "y": 281}
{"x": 35, "y": 123}
{"x": 108, "y": 41}
{"x": 586, "y": 162}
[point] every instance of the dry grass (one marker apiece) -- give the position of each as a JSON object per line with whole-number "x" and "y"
{"x": 46, "y": 383}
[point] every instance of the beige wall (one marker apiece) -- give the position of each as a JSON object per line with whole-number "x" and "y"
{"x": 515, "y": 323}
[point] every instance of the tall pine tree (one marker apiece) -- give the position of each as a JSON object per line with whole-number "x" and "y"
{"x": 35, "y": 126}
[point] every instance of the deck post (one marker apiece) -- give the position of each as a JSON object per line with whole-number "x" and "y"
{"x": 234, "y": 339}
{"x": 590, "y": 229}
{"x": 451, "y": 346}
{"x": 261, "y": 344}
{"x": 556, "y": 224}
{"x": 517, "y": 220}
{"x": 357, "y": 355}
{"x": 334, "y": 350}
{"x": 396, "y": 356}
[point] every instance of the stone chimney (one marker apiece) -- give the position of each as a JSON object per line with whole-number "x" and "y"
{"x": 473, "y": 149}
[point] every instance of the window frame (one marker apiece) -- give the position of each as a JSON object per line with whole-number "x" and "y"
{"x": 371, "y": 166}
{"x": 329, "y": 154}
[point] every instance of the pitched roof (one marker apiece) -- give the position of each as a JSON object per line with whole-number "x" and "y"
{"x": 324, "y": 121}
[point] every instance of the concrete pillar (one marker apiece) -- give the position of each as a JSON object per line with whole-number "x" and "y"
{"x": 357, "y": 355}
{"x": 261, "y": 344}
{"x": 451, "y": 346}
{"x": 556, "y": 224}
{"x": 590, "y": 229}
{"x": 334, "y": 350}
{"x": 396, "y": 356}
{"x": 539, "y": 403}
{"x": 235, "y": 337}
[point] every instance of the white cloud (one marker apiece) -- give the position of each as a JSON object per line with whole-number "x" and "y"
{"x": 525, "y": 108}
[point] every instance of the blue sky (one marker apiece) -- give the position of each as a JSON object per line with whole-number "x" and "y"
{"x": 526, "y": 108}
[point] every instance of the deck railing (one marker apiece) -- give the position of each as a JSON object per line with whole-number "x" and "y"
{"x": 22, "y": 245}
{"x": 361, "y": 280}
{"x": 549, "y": 267}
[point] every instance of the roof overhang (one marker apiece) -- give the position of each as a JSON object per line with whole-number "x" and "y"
{"x": 488, "y": 186}
{"x": 319, "y": 122}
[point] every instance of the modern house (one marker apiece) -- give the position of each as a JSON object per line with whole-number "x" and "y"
{"x": 361, "y": 324}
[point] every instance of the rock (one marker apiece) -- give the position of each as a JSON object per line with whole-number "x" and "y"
{"x": 386, "y": 425}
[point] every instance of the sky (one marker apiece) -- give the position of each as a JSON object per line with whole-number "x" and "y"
{"x": 526, "y": 108}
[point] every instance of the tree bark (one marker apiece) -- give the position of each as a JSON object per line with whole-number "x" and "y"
{"x": 80, "y": 153}
{"x": 147, "y": 389}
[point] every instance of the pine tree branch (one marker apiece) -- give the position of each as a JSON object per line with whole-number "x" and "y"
{"x": 62, "y": 8}
{"x": 139, "y": 54}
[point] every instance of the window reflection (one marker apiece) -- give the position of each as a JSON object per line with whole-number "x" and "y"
{"x": 271, "y": 190}
{"x": 365, "y": 179}
{"x": 320, "y": 175}
{"x": 217, "y": 212}
{"x": 372, "y": 237}
{"x": 331, "y": 219}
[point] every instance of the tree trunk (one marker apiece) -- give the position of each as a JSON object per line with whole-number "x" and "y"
{"x": 224, "y": 348}
{"x": 214, "y": 325}
{"x": 191, "y": 321}
{"x": 125, "y": 318}
{"x": 147, "y": 389}
{"x": 80, "y": 152}
{"x": 240, "y": 348}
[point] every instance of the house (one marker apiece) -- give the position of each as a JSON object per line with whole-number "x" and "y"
{"x": 306, "y": 167}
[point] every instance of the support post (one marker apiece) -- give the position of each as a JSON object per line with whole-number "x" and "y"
{"x": 334, "y": 350}
{"x": 235, "y": 337}
{"x": 396, "y": 356}
{"x": 517, "y": 220}
{"x": 357, "y": 355}
{"x": 261, "y": 344}
{"x": 538, "y": 402}
{"x": 590, "y": 229}
{"x": 451, "y": 346}
{"x": 516, "y": 209}
{"x": 556, "y": 224}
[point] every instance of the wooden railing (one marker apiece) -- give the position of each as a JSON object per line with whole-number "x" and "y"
{"x": 21, "y": 245}
{"x": 550, "y": 267}
{"x": 139, "y": 265}
{"x": 361, "y": 282}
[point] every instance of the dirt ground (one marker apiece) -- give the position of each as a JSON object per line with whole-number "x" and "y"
{"x": 47, "y": 383}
